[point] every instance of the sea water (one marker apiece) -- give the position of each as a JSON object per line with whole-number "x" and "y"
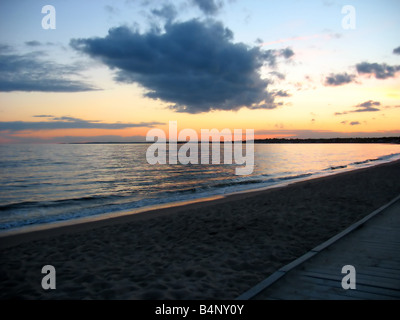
{"x": 48, "y": 183}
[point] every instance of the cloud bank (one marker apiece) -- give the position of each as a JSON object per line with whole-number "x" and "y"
{"x": 28, "y": 72}
{"x": 326, "y": 134}
{"x": 194, "y": 65}
{"x": 68, "y": 123}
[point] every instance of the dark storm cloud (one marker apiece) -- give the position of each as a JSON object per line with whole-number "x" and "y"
{"x": 209, "y": 7}
{"x": 396, "y": 50}
{"x": 69, "y": 123}
{"x": 29, "y": 73}
{"x": 380, "y": 71}
{"x": 338, "y": 79}
{"x": 193, "y": 65}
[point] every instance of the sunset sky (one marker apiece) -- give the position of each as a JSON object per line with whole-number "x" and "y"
{"x": 113, "y": 70}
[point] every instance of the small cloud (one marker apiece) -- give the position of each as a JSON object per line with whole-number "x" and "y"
{"x": 277, "y": 74}
{"x": 33, "y": 43}
{"x": 5, "y": 48}
{"x": 338, "y": 79}
{"x": 369, "y": 106}
{"x": 209, "y": 7}
{"x": 287, "y": 53}
{"x": 281, "y": 93}
{"x": 168, "y": 12}
{"x": 344, "y": 122}
{"x": 392, "y": 107}
{"x": 111, "y": 9}
{"x": 72, "y": 119}
{"x": 355, "y": 123}
{"x": 328, "y": 3}
{"x": 396, "y": 50}
{"x": 336, "y": 35}
{"x": 380, "y": 71}
{"x": 43, "y": 116}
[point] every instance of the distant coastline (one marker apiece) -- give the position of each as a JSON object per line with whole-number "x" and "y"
{"x": 395, "y": 140}
{"x": 392, "y": 140}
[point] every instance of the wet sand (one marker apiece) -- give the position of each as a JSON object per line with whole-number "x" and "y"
{"x": 207, "y": 250}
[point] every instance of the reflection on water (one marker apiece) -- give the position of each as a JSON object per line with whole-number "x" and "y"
{"x": 42, "y": 183}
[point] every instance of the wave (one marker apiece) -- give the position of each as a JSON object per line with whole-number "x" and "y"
{"x": 358, "y": 163}
{"x": 299, "y": 176}
{"x": 238, "y": 183}
{"x": 53, "y": 203}
{"x": 337, "y": 167}
{"x": 42, "y": 210}
{"x": 382, "y": 158}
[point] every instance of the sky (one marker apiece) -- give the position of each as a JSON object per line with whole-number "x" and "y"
{"x": 83, "y": 71}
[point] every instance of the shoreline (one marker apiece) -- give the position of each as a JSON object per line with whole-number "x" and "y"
{"x": 28, "y": 233}
{"x": 216, "y": 249}
{"x": 16, "y": 223}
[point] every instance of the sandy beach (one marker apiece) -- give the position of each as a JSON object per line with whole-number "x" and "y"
{"x": 207, "y": 250}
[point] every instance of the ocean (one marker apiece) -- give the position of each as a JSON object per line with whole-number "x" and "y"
{"x": 49, "y": 183}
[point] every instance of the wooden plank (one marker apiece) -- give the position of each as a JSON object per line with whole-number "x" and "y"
{"x": 304, "y": 294}
{"x": 382, "y": 272}
{"x": 314, "y": 290}
{"x": 374, "y": 250}
{"x": 369, "y": 280}
{"x": 326, "y": 287}
{"x": 388, "y": 264}
{"x": 368, "y": 292}
{"x": 307, "y": 287}
{"x": 360, "y": 270}
{"x": 368, "y": 283}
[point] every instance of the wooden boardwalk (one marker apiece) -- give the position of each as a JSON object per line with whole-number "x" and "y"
{"x": 372, "y": 246}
